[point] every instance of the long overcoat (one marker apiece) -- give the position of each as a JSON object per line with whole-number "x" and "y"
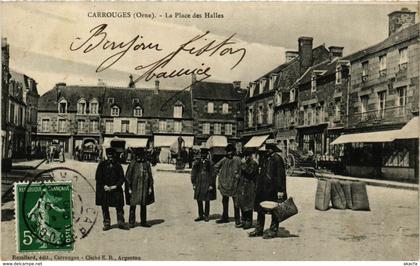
{"x": 246, "y": 187}
{"x": 110, "y": 174}
{"x": 140, "y": 180}
{"x": 202, "y": 178}
{"x": 228, "y": 170}
{"x": 271, "y": 180}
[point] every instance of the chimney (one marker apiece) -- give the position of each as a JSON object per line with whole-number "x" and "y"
{"x": 59, "y": 88}
{"x": 131, "y": 84}
{"x": 305, "y": 53}
{"x": 193, "y": 78}
{"x": 336, "y": 51}
{"x": 290, "y": 55}
{"x": 5, "y": 53}
{"x": 101, "y": 82}
{"x": 236, "y": 84}
{"x": 401, "y": 19}
{"x": 156, "y": 91}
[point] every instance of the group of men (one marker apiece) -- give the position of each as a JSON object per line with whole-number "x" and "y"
{"x": 246, "y": 181}
{"x": 138, "y": 184}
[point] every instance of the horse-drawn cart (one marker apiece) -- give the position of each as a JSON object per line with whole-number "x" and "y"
{"x": 296, "y": 161}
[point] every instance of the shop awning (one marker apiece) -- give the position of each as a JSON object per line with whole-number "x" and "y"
{"x": 256, "y": 142}
{"x": 370, "y": 137}
{"x": 410, "y": 130}
{"x": 167, "y": 141}
{"x": 216, "y": 141}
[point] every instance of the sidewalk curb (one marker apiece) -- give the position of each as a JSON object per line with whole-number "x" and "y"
{"x": 174, "y": 171}
{"x": 376, "y": 183}
{"x": 28, "y": 167}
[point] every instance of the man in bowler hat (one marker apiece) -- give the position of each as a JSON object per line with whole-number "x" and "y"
{"x": 109, "y": 180}
{"x": 271, "y": 186}
{"x": 229, "y": 170}
{"x": 140, "y": 187}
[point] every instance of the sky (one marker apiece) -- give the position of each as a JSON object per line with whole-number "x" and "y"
{"x": 40, "y": 36}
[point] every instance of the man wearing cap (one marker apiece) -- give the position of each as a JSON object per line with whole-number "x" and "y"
{"x": 109, "y": 180}
{"x": 246, "y": 188}
{"x": 140, "y": 187}
{"x": 203, "y": 181}
{"x": 271, "y": 186}
{"x": 229, "y": 169}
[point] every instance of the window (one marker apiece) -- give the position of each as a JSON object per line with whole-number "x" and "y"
{"x": 94, "y": 126}
{"x": 272, "y": 82}
{"x": 138, "y": 112}
{"x": 338, "y": 74}
{"x": 322, "y": 113}
{"x": 141, "y": 128}
{"x": 136, "y": 101}
{"x": 125, "y": 126}
{"x": 62, "y": 125}
{"x": 19, "y": 118}
{"x": 305, "y": 115}
{"x": 217, "y": 128}
{"x": 364, "y": 105}
{"x": 93, "y": 107}
{"x": 311, "y": 116}
{"x": 365, "y": 70}
{"x": 115, "y": 111}
{"x": 313, "y": 83}
{"x": 81, "y": 107}
{"x": 111, "y": 100}
{"x": 250, "y": 117}
{"x": 403, "y": 56}
{"x": 80, "y": 125}
{"x": 382, "y": 65}
{"x": 382, "y": 100}
{"x": 178, "y": 126}
{"x": 263, "y": 81}
{"x": 210, "y": 107}
{"x": 270, "y": 113}
{"x": 45, "y": 125}
{"x": 260, "y": 114}
{"x": 292, "y": 95}
{"x": 225, "y": 108}
{"x": 206, "y": 128}
{"x": 162, "y": 126}
{"x": 178, "y": 111}
{"x": 109, "y": 129}
{"x": 62, "y": 107}
{"x": 252, "y": 86}
{"x": 228, "y": 129}
{"x": 402, "y": 99}
{"x": 337, "y": 110}
{"x": 278, "y": 98}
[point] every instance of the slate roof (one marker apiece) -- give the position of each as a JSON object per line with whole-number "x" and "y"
{"x": 403, "y": 35}
{"x": 123, "y": 98}
{"x": 215, "y": 91}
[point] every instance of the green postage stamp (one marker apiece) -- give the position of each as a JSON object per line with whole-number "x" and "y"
{"x": 44, "y": 216}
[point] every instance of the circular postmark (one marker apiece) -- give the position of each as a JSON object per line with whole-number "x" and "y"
{"x": 56, "y": 207}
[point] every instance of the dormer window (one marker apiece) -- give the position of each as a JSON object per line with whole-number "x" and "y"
{"x": 403, "y": 58}
{"x": 292, "y": 95}
{"x": 93, "y": 107}
{"x": 81, "y": 107}
{"x": 278, "y": 98}
{"x": 252, "y": 86}
{"x": 178, "y": 111}
{"x": 210, "y": 107}
{"x": 313, "y": 83}
{"x": 136, "y": 100}
{"x": 115, "y": 111}
{"x": 111, "y": 100}
{"x": 273, "y": 79}
{"x": 62, "y": 106}
{"x": 338, "y": 75}
{"x": 138, "y": 111}
{"x": 225, "y": 108}
{"x": 263, "y": 81}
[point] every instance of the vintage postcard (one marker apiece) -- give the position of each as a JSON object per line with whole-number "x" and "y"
{"x": 210, "y": 131}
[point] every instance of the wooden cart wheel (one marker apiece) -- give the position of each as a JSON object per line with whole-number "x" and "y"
{"x": 290, "y": 164}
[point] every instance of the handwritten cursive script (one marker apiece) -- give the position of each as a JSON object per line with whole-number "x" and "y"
{"x": 98, "y": 39}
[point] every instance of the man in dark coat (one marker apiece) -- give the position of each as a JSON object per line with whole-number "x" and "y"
{"x": 229, "y": 169}
{"x": 109, "y": 180}
{"x": 246, "y": 188}
{"x": 270, "y": 187}
{"x": 140, "y": 187}
{"x": 204, "y": 184}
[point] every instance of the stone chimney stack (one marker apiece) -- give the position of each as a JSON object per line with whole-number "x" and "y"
{"x": 5, "y": 53}
{"x": 401, "y": 19}
{"x": 336, "y": 51}
{"x": 305, "y": 53}
{"x": 59, "y": 88}
{"x": 290, "y": 55}
{"x": 156, "y": 91}
{"x": 236, "y": 84}
{"x": 131, "y": 84}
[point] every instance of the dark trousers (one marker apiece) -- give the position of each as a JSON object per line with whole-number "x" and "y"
{"x": 203, "y": 212}
{"x": 107, "y": 218}
{"x": 225, "y": 214}
{"x": 261, "y": 221}
{"x": 143, "y": 214}
{"x": 247, "y": 216}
